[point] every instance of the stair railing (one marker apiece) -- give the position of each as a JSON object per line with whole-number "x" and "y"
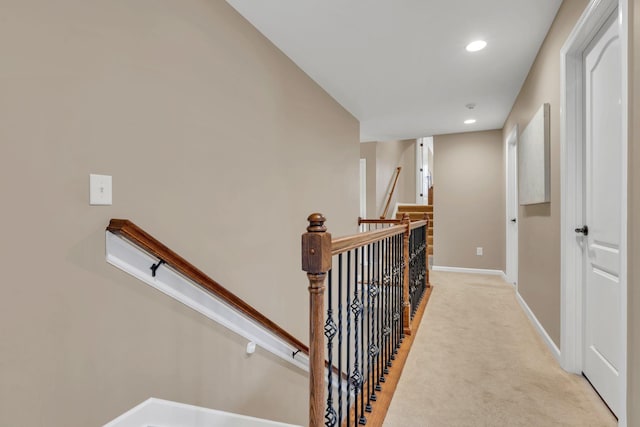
{"x": 393, "y": 188}
{"x": 376, "y": 282}
{"x": 135, "y": 251}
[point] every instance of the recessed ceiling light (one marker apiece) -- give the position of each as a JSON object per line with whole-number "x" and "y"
{"x": 469, "y": 121}
{"x": 476, "y": 46}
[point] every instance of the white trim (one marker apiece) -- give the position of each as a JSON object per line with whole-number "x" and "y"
{"x": 469, "y": 271}
{"x": 419, "y": 174}
{"x": 623, "y": 16}
{"x": 571, "y": 104}
{"x": 155, "y": 412}
{"x": 553, "y": 348}
{"x": 363, "y": 189}
{"x": 395, "y": 210}
{"x": 131, "y": 259}
{"x": 511, "y": 271}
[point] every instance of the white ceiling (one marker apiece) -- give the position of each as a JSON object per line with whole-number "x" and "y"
{"x": 400, "y": 66}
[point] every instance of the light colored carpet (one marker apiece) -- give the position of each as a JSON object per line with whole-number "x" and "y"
{"x": 477, "y": 361}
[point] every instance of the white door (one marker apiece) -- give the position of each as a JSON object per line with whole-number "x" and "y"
{"x": 602, "y": 212}
{"x": 512, "y": 207}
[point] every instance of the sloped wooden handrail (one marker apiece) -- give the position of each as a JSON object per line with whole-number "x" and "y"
{"x": 128, "y": 230}
{"x": 393, "y": 188}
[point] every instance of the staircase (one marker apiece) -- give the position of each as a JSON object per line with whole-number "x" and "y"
{"x": 416, "y": 213}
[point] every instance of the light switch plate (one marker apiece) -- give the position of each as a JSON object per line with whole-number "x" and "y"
{"x": 100, "y": 190}
{"x": 479, "y": 251}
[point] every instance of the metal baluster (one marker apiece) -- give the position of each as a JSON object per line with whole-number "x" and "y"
{"x": 401, "y": 301}
{"x": 398, "y": 304}
{"x": 394, "y": 297}
{"x": 373, "y": 350}
{"x": 340, "y": 402}
{"x": 412, "y": 270}
{"x": 356, "y": 378}
{"x": 348, "y": 290}
{"x": 387, "y": 308}
{"x": 376, "y": 373}
{"x": 374, "y": 345}
{"x": 365, "y": 347}
{"x": 330, "y": 330}
{"x": 363, "y": 419}
{"x": 397, "y": 314}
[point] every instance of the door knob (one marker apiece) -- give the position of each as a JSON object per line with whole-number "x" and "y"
{"x": 584, "y": 230}
{"x": 513, "y": 220}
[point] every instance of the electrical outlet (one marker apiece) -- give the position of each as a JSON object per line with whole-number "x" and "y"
{"x": 479, "y": 251}
{"x": 100, "y": 190}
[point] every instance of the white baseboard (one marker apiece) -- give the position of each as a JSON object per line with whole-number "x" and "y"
{"x": 555, "y": 351}
{"x": 469, "y": 270}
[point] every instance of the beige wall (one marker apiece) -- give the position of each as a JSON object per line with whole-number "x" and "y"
{"x": 633, "y": 336}
{"x": 539, "y": 225}
{"x": 468, "y": 200}
{"x": 218, "y": 145}
{"x": 387, "y": 156}
{"x": 390, "y": 155}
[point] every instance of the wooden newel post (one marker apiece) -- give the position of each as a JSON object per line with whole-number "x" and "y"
{"x": 426, "y": 250}
{"x": 406, "y": 309}
{"x": 316, "y": 261}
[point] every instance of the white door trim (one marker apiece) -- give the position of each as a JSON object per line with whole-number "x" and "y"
{"x": 571, "y": 134}
{"x": 420, "y": 172}
{"x": 511, "y": 267}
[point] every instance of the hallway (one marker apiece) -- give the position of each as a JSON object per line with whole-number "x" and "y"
{"x": 478, "y": 361}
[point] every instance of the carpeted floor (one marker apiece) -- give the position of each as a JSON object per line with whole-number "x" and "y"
{"x": 477, "y": 361}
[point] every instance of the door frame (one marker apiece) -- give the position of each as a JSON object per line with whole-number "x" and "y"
{"x": 511, "y": 243}
{"x": 420, "y": 172}
{"x": 571, "y": 176}
{"x": 363, "y": 188}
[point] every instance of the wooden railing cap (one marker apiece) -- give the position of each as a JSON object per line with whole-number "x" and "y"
{"x": 316, "y": 223}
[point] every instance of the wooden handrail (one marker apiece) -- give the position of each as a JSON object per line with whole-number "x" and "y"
{"x": 393, "y": 188}
{"x": 128, "y": 230}
{"x": 344, "y": 244}
{"x": 418, "y": 224}
{"x": 378, "y": 221}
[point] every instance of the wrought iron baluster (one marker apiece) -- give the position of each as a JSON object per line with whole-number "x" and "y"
{"x": 397, "y": 315}
{"x": 412, "y": 270}
{"x": 387, "y": 308}
{"x": 403, "y": 263}
{"x": 365, "y": 347}
{"x": 373, "y": 346}
{"x": 356, "y": 307}
{"x": 380, "y": 330}
{"x": 348, "y": 291}
{"x": 394, "y": 296}
{"x": 362, "y": 420}
{"x": 340, "y": 401}
{"x": 330, "y": 330}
